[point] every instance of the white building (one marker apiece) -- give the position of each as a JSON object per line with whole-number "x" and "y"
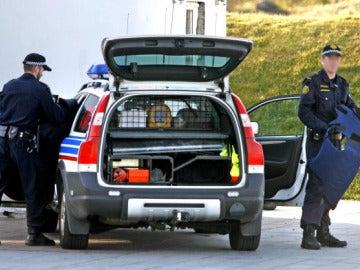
{"x": 69, "y": 32}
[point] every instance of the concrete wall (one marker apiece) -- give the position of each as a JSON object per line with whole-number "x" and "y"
{"x": 69, "y": 32}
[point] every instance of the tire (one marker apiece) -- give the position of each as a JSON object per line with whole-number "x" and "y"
{"x": 241, "y": 242}
{"x": 67, "y": 239}
{"x": 269, "y": 206}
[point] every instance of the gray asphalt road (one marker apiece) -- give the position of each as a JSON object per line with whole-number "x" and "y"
{"x": 144, "y": 249}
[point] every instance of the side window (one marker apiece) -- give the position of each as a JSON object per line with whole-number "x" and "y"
{"x": 278, "y": 118}
{"x": 85, "y": 114}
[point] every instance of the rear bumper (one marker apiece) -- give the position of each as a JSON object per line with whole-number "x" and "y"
{"x": 86, "y": 199}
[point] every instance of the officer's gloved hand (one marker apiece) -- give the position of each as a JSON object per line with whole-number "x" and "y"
{"x": 335, "y": 135}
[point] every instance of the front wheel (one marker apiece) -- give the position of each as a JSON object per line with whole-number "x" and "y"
{"x": 67, "y": 239}
{"x": 240, "y": 242}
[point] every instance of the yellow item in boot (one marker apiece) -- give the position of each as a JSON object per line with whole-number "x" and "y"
{"x": 235, "y": 169}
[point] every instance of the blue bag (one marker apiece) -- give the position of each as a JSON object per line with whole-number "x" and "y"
{"x": 336, "y": 168}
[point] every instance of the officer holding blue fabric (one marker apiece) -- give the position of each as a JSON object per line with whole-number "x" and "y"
{"x": 24, "y": 102}
{"x": 321, "y": 93}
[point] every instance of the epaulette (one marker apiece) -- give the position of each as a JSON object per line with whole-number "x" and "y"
{"x": 306, "y": 81}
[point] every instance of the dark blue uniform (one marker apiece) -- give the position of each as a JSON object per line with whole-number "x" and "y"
{"x": 23, "y": 103}
{"x": 319, "y": 98}
{"x": 51, "y": 137}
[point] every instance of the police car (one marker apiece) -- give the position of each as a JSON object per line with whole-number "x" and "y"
{"x": 160, "y": 141}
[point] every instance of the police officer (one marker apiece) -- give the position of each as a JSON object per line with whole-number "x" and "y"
{"x": 23, "y": 103}
{"x": 50, "y": 140}
{"x": 321, "y": 93}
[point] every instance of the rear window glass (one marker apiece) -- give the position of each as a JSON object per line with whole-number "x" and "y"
{"x": 167, "y": 112}
{"x": 85, "y": 115}
{"x": 172, "y": 60}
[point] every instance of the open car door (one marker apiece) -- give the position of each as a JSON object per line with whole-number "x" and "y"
{"x": 282, "y": 136}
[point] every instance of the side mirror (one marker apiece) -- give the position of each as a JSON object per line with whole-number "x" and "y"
{"x": 255, "y": 127}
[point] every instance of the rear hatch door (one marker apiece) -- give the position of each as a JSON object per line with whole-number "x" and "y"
{"x": 173, "y": 58}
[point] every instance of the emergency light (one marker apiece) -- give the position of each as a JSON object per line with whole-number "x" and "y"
{"x": 99, "y": 71}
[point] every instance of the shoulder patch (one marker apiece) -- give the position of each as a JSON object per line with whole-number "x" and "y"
{"x": 305, "y": 89}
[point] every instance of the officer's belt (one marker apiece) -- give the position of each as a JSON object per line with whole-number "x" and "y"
{"x": 4, "y": 133}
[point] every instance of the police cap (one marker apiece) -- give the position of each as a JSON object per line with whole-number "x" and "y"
{"x": 35, "y": 59}
{"x": 331, "y": 50}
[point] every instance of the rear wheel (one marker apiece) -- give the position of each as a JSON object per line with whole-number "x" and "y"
{"x": 240, "y": 242}
{"x": 67, "y": 239}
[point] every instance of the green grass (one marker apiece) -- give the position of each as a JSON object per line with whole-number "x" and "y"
{"x": 314, "y": 8}
{"x": 286, "y": 50}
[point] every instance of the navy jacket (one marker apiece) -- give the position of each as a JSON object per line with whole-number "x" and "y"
{"x": 26, "y": 101}
{"x": 319, "y": 98}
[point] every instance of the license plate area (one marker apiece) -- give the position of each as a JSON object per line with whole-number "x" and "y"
{"x": 169, "y": 209}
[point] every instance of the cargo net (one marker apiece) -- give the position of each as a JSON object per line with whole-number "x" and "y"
{"x": 166, "y": 112}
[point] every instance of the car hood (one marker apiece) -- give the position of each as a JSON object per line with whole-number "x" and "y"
{"x": 173, "y": 58}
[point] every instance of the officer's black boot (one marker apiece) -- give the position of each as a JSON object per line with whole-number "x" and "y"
{"x": 36, "y": 238}
{"x": 309, "y": 240}
{"x": 327, "y": 240}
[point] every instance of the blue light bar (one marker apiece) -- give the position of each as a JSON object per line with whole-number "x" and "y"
{"x": 99, "y": 71}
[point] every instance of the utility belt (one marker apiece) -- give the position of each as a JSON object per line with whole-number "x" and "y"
{"x": 28, "y": 139}
{"x": 317, "y": 136}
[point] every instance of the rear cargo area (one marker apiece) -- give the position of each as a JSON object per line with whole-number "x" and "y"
{"x": 171, "y": 140}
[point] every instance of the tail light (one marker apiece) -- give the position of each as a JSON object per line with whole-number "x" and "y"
{"x": 255, "y": 155}
{"x": 88, "y": 152}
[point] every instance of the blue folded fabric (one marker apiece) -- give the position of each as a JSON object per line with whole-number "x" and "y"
{"x": 336, "y": 168}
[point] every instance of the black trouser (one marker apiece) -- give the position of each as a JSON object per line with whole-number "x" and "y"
{"x": 49, "y": 155}
{"x": 315, "y": 209}
{"x": 31, "y": 172}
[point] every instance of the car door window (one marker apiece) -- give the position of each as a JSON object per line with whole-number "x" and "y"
{"x": 281, "y": 136}
{"x": 278, "y": 118}
{"x": 85, "y": 114}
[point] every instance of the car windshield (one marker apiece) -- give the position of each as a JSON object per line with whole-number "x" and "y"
{"x": 171, "y": 60}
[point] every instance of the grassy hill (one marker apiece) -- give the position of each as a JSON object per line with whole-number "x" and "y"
{"x": 302, "y": 7}
{"x": 287, "y": 49}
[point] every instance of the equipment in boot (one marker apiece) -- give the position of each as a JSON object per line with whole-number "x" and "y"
{"x": 38, "y": 239}
{"x": 309, "y": 240}
{"x": 327, "y": 240}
